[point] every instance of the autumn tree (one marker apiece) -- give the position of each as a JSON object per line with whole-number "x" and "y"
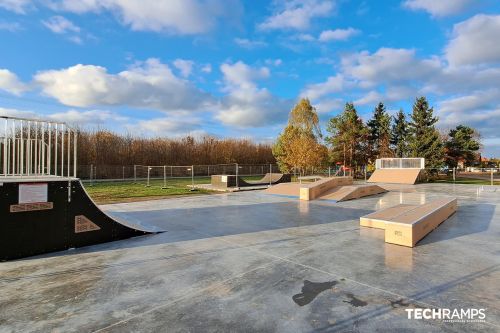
{"x": 425, "y": 140}
{"x": 298, "y": 145}
{"x": 379, "y": 133}
{"x": 399, "y": 136}
{"x": 348, "y": 137}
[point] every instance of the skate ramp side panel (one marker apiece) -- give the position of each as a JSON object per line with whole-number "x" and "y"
{"x": 344, "y": 193}
{"x": 68, "y": 218}
{"x": 395, "y": 176}
{"x": 314, "y": 190}
{"x": 291, "y": 190}
{"x": 406, "y": 225}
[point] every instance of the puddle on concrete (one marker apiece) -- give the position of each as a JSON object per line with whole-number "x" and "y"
{"x": 354, "y": 301}
{"x": 310, "y": 290}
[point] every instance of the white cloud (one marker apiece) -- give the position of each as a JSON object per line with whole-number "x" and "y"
{"x": 475, "y": 41}
{"x": 10, "y": 26}
{"x": 86, "y": 118}
{"x": 11, "y": 83}
{"x": 273, "y": 62}
{"x": 184, "y": 66}
{"x": 305, "y": 37}
{"x": 371, "y": 97}
{"x": 388, "y": 65}
{"x": 338, "y": 34}
{"x": 207, "y": 68}
{"x": 60, "y": 25}
{"x": 297, "y": 15}
{"x": 438, "y": 7}
{"x": 4, "y": 112}
{"x": 333, "y": 84}
{"x": 249, "y": 44}
{"x": 16, "y": 6}
{"x": 247, "y": 105}
{"x": 169, "y": 126}
{"x": 173, "y": 16}
{"x": 147, "y": 85}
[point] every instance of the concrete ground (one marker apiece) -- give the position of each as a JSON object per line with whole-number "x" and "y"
{"x": 254, "y": 262}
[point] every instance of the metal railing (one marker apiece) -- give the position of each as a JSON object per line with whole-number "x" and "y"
{"x": 32, "y": 148}
{"x": 400, "y": 163}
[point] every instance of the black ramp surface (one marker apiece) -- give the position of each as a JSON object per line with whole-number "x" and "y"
{"x": 69, "y": 219}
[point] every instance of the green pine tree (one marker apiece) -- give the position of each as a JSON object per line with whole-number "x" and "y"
{"x": 379, "y": 139}
{"x": 425, "y": 140}
{"x": 463, "y": 144}
{"x": 399, "y": 138}
{"x": 348, "y": 137}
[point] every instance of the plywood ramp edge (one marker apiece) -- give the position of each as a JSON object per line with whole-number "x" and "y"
{"x": 314, "y": 190}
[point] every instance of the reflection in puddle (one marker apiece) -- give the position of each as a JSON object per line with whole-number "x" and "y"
{"x": 398, "y": 257}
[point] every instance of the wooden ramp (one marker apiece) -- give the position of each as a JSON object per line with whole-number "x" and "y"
{"x": 343, "y": 193}
{"x": 285, "y": 190}
{"x": 396, "y": 176}
{"x": 334, "y": 189}
{"x": 407, "y": 224}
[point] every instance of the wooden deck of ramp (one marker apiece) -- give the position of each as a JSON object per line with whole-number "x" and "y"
{"x": 343, "y": 193}
{"x": 335, "y": 189}
{"x": 407, "y": 224}
{"x": 396, "y": 176}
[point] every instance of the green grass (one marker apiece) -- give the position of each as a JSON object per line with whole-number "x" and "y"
{"x": 469, "y": 181}
{"x": 113, "y": 192}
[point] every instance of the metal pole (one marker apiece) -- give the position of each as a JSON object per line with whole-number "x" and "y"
{"x": 55, "y": 148}
{"x": 63, "y": 131}
{"x": 192, "y": 177}
{"x": 365, "y": 173}
{"x": 454, "y": 174}
{"x": 5, "y": 149}
{"x": 237, "y": 182}
{"x": 123, "y": 172}
{"x": 270, "y": 174}
{"x": 135, "y": 174}
{"x": 49, "y": 152}
{"x": 329, "y": 172}
{"x": 491, "y": 176}
{"x": 149, "y": 169}
{"x": 69, "y": 150}
{"x": 75, "y": 144}
{"x": 91, "y": 173}
{"x": 164, "y": 176}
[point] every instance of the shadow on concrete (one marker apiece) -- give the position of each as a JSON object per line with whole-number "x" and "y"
{"x": 469, "y": 219}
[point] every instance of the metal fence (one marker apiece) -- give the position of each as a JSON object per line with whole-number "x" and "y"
{"x": 400, "y": 163}
{"x": 36, "y": 148}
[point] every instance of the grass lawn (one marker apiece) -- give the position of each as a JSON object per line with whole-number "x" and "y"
{"x": 470, "y": 181}
{"x": 113, "y": 192}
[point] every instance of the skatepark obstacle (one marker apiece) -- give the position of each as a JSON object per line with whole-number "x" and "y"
{"x": 229, "y": 181}
{"x": 398, "y": 170}
{"x": 407, "y": 224}
{"x": 333, "y": 189}
{"x": 43, "y": 206}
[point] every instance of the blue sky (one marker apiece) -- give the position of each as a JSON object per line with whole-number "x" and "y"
{"x": 235, "y": 68}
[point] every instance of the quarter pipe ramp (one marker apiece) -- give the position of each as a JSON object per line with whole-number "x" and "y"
{"x": 228, "y": 181}
{"x": 45, "y": 215}
{"x": 396, "y": 176}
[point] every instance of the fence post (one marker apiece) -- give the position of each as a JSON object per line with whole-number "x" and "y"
{"x": 123, "y": 172}
{"x": 237, "y": 182}
{"x": 135, "y": 174}
{"x": 270, "y": 174}
{"x": 192, "y": 177}
{"x": 149, "y": 171}
{"x": 329, "y": 172}
{"x": 454, "y": 174}
{"x": 365, "y": 172}
{"x": 164, "y": 177}
{"x": 491, "y": 176}
{"x": 91, "y": 173}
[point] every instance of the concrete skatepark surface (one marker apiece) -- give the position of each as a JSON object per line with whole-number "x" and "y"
{"x": 253, "y": 262}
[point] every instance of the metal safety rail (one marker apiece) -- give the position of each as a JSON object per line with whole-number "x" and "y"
{"x": 33, "y": 148}
{"x": 400, "y": 163}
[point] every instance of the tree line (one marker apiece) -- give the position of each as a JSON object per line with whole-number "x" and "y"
{"x": 102, "y": 147}
{"x": 353, "y": 143}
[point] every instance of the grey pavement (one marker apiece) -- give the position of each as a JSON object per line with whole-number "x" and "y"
{"x": 252, "y": 262}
